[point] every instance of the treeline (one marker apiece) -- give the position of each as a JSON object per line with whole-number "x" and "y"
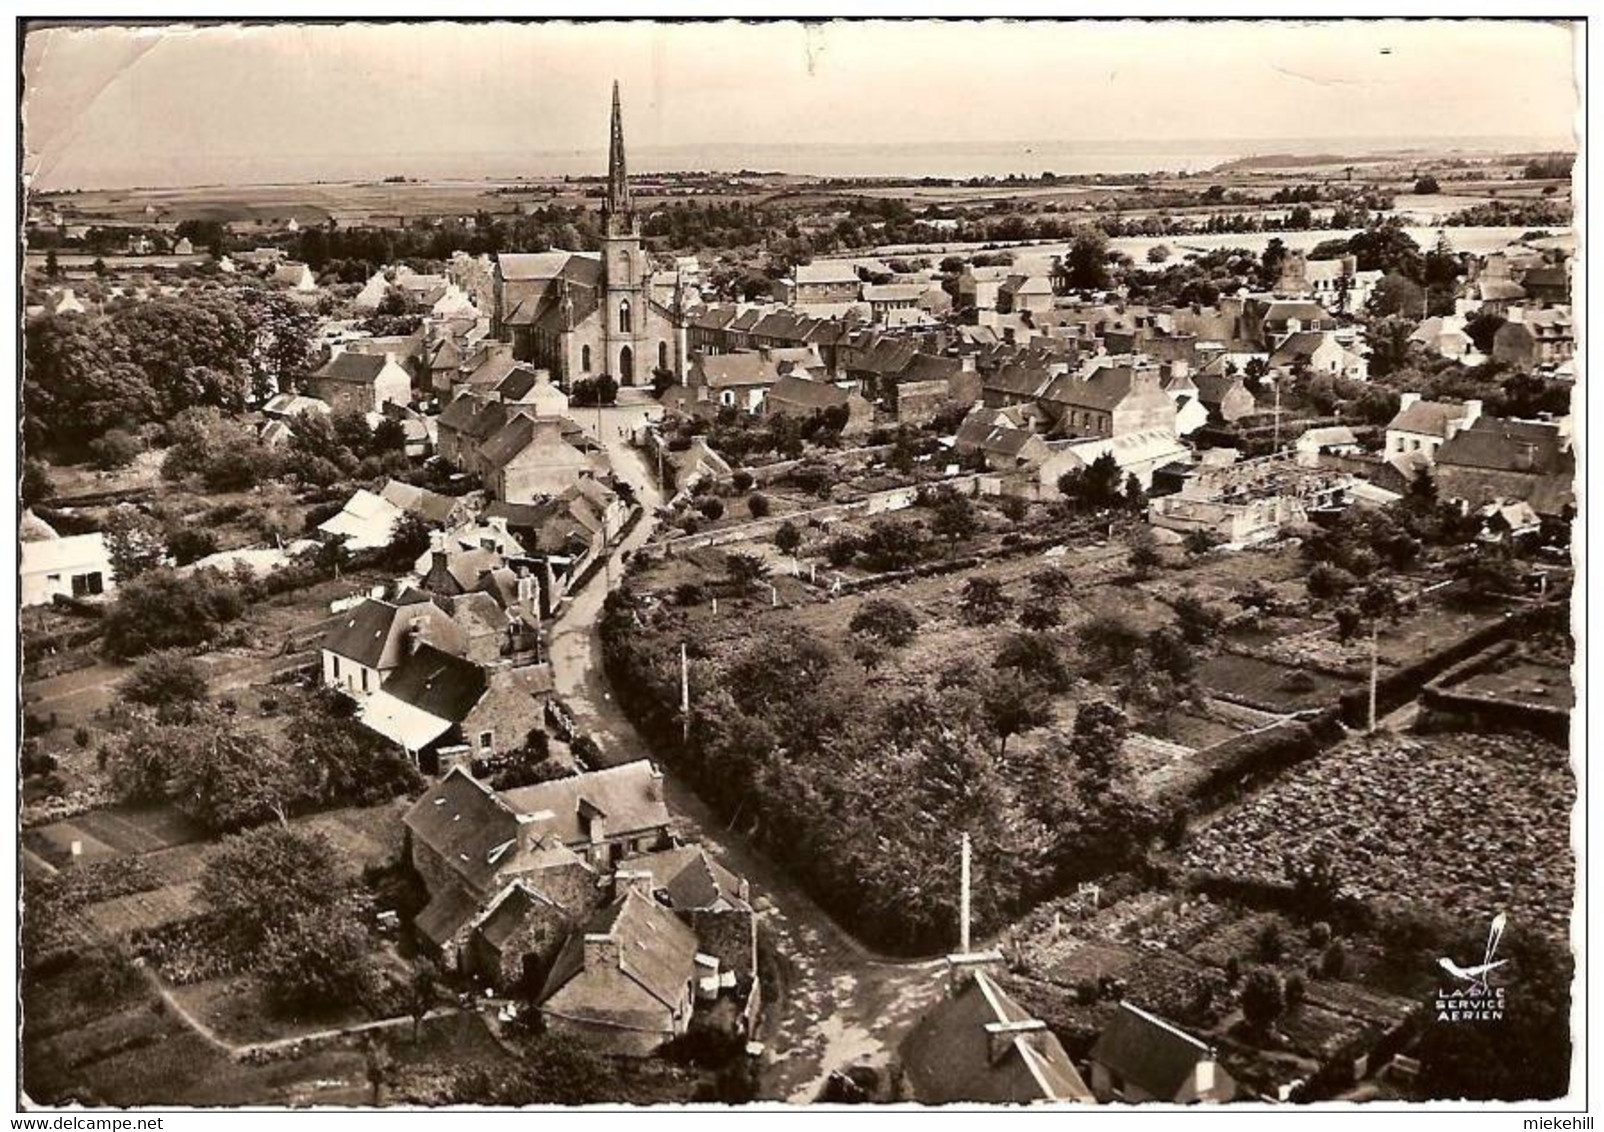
{"x": 147, "y": 362}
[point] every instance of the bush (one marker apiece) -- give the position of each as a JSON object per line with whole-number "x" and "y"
{"x": 787, "y": 539}
{"x": 711, "y": 507}
{"x": 741, "y": 480}
{"x": 758, "y": 505}
{"x": 160, "y": 610}
{"x": 1263, "y": 998}
{"x": 1334, "y": 960}
{"x": 168, "y": 681}
{"x": 191, "y": 544}
{"x": 115, "y": 449}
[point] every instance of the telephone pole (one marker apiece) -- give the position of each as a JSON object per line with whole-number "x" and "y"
{"x": 1373, "y": 676}
{"x": 685, "y": 693}
{"x": 963, "y": 901}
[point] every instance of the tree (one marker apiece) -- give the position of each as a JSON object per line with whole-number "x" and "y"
{"x": 1158, "y": 253}
{"x": 1098, "y": 741}
{"x": 263, "y": 879}
{"x": 1050, "y": 584}
{"x": 168, "y": 681}
{"x": 1144, "y": 557}
{"x": 787, "y": 538}
{"x": 1039, "y": 617}
{"x": 744, "y": 570}
{"x": 757, "y": 504}
{"x": 134, "y": 543}
{"x": 886, "y": 619}
{"x": 162, "y": 610}
{"x": 319, "y": 958}
{"x": 1199, "y": 622}
{"x": 955, "y": 518}
{"x": 1037, "y": 659}
{"x": 1095, "y": 487}
{"x": 189, "y": 544}
{"x": 1110, "y": 640}
{"x": 1427, "y": 185}
{"x": 410, "y": 539}
{"x": 422, "y": 990}
{"x": 983, "y": 601}
{"x": 115, "y": 449}
{"x": 52, "y": 264}
{"x": 1398, "y": 295}
{"x": 37, "y": 484}
{"x": 1482, "y": 327}
{"x": 1011, "y": 707}
{"x": 1263, "y": 998}
{"x": 1086, "y": 265}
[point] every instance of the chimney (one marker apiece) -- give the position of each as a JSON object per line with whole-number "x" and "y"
{"x": 1407, "y": 399}
{"x": 638, "y": 881}
{"x": 416, "y": 635}
{"x": 1000, "y": 1036}
{"x": 1203, "y": 1075}
{"x": 593, "y": 821}
{"x": 526, "y": 587}
{"x": 601, "y": 950}
{"x": 1472, "y": 413}
{"x": 961, "y": 969}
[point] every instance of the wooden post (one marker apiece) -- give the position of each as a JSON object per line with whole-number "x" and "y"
{"x": 963, "y": 900}
{"x": 685, "y": 692}
{"x": 1373, "y": 676}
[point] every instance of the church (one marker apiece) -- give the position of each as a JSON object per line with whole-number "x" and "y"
{"x": 584, "y": 314}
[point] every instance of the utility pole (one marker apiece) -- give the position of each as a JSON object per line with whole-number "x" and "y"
{"x": 963, "y": 901}
{"x": 1373, "y": 676}
{"x": 685, "y": 693}
{"x": 1277, "y": 383}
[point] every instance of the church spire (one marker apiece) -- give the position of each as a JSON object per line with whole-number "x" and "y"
{"x": 617, "y": 176}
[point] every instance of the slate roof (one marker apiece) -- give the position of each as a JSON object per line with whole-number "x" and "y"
{"x": 800, "y": 393}
{"x": 691, "y": 878}
{"x": 720, "y": 371}
{"x": 430, "y": 506}
{"x": 1495, "y": 444}
{"x": 948, "y": 1055}
{"x": 655, "y": 950}
{"x": 826, "y": 271}
{"x": 1102, "y": 391}
{"x": 629, "y": 796}
{"x": 1297, "y": 347}
{"x": 1148, "y": 1052}
{"x": 1430, "y": 418}
{"x": 353, "y": 368}
{"x": 463, "y": 820}
{"x": 443, "y": 685}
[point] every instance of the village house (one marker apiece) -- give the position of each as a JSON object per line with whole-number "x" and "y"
{"x": 821, "y": 282}
{"x": 1114, "y": 399}
{"x": 1533, "y": 339}
{"x": 979, "y": 1046}
{"x": 605, "y": 815}
{"x": 295, "y": 276}
{"x": 979, "y": 287}
{"x": 627, "y": 981}
{"x": 1001, "y": 447}
{"x": 441, "y": 708}
{"x": 1136, "y": 454}
{"x": 366, "y": 522}
{"x": 353, "y": 381}
{"x": 1497, "y": 460}
{"x": 75, "y": 566}
{"x": 797, "y": 397}
{"x": 372, "y": 639}
{"x": 741, "y": 380}
{"x": 531, "y": 457}
{"x": 1140, "y": 1057}
{"x": 1422, "y": 426}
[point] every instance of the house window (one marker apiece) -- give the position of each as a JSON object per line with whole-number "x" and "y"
{"x": 364, "y": 679}
{"x": 727, "y": 397}
{"x": 626, "y": 322}
{"x": 662, "y": 355}
{"x": 336, "y": 669}
{"x": 487, "y": 740}
{"x": 83, "y": 585}
{"x": 584, "y": 359}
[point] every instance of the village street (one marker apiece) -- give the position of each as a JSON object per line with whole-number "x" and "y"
{"x": 840, "y": 1004}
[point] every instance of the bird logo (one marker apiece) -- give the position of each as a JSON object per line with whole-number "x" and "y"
{"x": 1476, "y": 976}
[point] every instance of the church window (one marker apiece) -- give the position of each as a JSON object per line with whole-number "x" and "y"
{"x": 584, "y": 359}
{"x": 662, "y": 355}
{"x": 626, "y": 322}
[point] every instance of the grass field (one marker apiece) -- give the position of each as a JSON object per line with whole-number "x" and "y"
{"x": 1274, "y": 687}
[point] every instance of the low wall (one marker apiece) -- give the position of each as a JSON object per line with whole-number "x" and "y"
{"x": 1444, "y": 706}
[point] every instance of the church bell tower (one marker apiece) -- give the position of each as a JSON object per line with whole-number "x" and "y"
{"x": 626, "y": 287}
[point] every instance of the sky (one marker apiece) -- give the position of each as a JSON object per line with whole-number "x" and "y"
{"x": 117, "y": 107}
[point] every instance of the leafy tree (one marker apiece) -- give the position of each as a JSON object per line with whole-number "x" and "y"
{"x": 1095, "y": 487}
{"x": 37, "y": 486}
{"x": 115, "y": 449}
{"x": 319, "y": 958}
{"x": 1326, "y": 581}
{"x": 134, "y": 543}
{"x": 409, "y": 540}
{"x": 263, "y": 879}
{"x": 170, "y": 682}
{"x": 1086, "y": 265}
{"x": 1110, "y": 640}
{"x": 1482, "y": 327}
{"x": 1050, "y": 584}
{"x": 955, "y": 518}
{"x": 1398, "y": 295}
{"x": 1263, "y": 998}
{"x": 1098, "y": 742}
{"x": 983, "y": 601}
{"x": 1388, "y": 338}
{"x": 1427, "y": 185}
{"x": 1144, "y": 557}
{"x": 190, "y": 544}
{"x": 887, "y": 620}
{"x": 160, "y": 610}
{"x": 757, "y": 504}
{"x": 892, "y": 544}
{"x": 1037, "y": 659}
{"x": 744, "y": 570}
{"x": 1039, "y": 617}
{"x": 1170, "y": 654}
{"x": 1011, "y": 707}
{"x": 788, "y": 538}
{"x": 1199, "y": 622}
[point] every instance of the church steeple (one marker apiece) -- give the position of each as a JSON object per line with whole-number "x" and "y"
{"x": 616, "y": 209}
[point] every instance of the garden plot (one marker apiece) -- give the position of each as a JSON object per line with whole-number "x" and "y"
{"x": 1470, "y": 824}
{"x": 144, "y": 911}
{"x": 115, "y": 831}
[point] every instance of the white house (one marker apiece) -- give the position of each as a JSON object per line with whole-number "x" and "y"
{"x": 1424, "y": 426}
{"x": 74, "y": 566}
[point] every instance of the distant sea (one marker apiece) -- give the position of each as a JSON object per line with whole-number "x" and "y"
{"x": 921, "y": 159}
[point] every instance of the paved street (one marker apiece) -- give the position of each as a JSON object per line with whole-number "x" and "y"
{"x": 840, "y": 1001}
